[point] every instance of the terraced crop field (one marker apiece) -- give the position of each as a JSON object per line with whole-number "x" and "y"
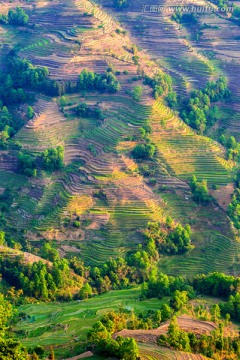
{"x": 63, "y": 324}
{"x": 150, "y": 352}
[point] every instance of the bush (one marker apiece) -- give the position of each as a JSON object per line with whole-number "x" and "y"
{"x": 15, "y": 17}
{"x": 52, "y": 159}
{"x": 144, "y": 151}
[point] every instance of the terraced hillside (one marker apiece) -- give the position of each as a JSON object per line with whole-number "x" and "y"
{"x": 192, "y": 54}
{"x": 149, "y": 352}
{"x": 66, "y": 37}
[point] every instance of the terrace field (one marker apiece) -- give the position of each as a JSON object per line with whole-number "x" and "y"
{"x": 65, "y": 325}
{"x": 98, "y": 153}
{"x": 98, "y": 204}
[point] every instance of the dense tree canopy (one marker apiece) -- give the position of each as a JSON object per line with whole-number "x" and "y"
{"x": 200, "y": 190}
{"x": 52, "y": 158}
{"x": 15, "y": 17}
{"x": 91, "y": 81}
{"x": 143, "y": 151}
{"x": 199, "y": 112}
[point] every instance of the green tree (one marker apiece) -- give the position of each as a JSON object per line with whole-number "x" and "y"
{"x": 86, "y": 291}
{"x": 6, "y": 313}
{"x": 11, "y": 349}
{"x": 52, "y": 159}
{"x": 27, "y": 164}
{"x": 166, "y": 312}
{"x": 30, "y": 112}
{"x": 17, "y": 17}
{"x": 179, "y": 299}
{"x": 128, "y": 349}
{"x": 137, "y": 93}
{"x": 144, "y": 151}
{"x": 199, "y": 190}
{"x": 2, "y": 238}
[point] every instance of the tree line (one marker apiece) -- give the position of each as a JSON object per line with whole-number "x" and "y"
{"x": 208, "y": 345}
{"x": 39, "y": 280}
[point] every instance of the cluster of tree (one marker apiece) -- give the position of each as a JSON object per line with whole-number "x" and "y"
{"x": 138, "y": 265}
{"x": 208, "y": 345}
{"x": 169, "y": 240}
{"x": 120, "y": 4}
{"x": 7, "y": 126}
{"x": 50, "y": 160}
{"x": 160, "y": 285}
{"x": 200, "y": 190}
{"x": 15, "y": 17}
{"x": 161, "y": 84}
{"x": 199, "y": 112}
{"x": 20, "y": 74}
{"x": 27, "y": 164}
{"x": 233, "y": 147}
{"x": 9, "y": 348}
{"x": 214, "y": 284}
{"x": 103, "y": 343}
{"x": 183, "y": 18}
{"x": 137, "y": 93}
{"x": 231, "y": 307}
{"x": 144, "y": 151}
{"x": 39, "y": 280}
{"x": 234, "y": 208}
{"x": 89, "y": 80}
{"x": 84, "y": 110}
{"x": 10, "y": 91}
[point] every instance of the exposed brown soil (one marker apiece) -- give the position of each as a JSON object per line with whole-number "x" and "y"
{"x": 186, "y": 323}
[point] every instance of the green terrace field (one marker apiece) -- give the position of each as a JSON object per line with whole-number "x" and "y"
{"x": 65, "y": 324}
{"x": 212, "y": 236}
{"x": 186, "y": 153}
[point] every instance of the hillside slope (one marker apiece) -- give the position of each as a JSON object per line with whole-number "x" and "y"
{"x": 98, "y": 153}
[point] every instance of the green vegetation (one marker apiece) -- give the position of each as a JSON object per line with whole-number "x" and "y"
{"x": 100, "y": 336}
{"x": 16, "y": 17}
{"x": 143, "y": 151}
{"x": 90, "y": 81}
{"x": 30, "y": 112}
{"x": 39, "y": 280}
{"x": 200, "y": 190}
{"x": 9, "y": 348}
{"x": 160, "y": 83}
{"x": 209, "y": 346}
{"x": 176, "y": 241}
{"x": 95, "y": 203}
{"x": 120, "y": 4}
{"x": 199, "y": 112}
{"x": 27, "y": 164}
{"x": 137, "y": 93}
{"x": 52, "y": 159}
{"x": 85, "y": 111}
